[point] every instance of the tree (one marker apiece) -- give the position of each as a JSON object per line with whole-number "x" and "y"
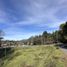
{"x": 45, "y": 35}
{"x": 55, "y": 36}
{"x": 1, "y": 36}
{"x": 63, "y": 33}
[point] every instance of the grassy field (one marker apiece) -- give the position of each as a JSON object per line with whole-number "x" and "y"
{"x": 40, "y": 56}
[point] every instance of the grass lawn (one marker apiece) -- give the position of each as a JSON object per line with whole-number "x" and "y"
{"x": 40, "y": 56}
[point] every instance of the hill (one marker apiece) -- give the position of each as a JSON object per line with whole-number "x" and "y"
{"x": 34, "y": 56}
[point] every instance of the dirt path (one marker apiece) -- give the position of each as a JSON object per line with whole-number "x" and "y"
{"x": 64, "y": 58}
{"x": 64, "y": 50}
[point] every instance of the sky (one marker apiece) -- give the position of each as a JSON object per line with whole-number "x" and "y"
{"x": 21, "y": 19}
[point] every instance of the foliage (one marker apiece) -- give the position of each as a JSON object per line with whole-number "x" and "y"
{"x": 63, "y": 33}
{"x": 1, "y": 36}
{"x": 45, "y": 38}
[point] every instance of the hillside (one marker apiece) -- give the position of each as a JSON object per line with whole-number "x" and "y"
{"x": 35, "y": 56}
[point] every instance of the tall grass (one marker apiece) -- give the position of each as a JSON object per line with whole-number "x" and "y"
{"x": 40, "y": 56}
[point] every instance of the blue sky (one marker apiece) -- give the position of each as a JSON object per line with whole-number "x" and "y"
{"x": 20, "y": 19}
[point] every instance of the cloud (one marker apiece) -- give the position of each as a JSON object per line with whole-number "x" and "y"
{"x": 15, "y": 34}
{"x": 40, "y": 12}
{"x": 29, "y": 16}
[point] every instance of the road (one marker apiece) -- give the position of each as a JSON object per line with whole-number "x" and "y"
{"x": 64, "y": 49}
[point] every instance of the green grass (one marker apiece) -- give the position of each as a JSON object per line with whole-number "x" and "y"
{"x": 40, "y": 56}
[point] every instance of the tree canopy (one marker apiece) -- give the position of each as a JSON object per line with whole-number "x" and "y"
{"x": 1, "y": 36}
{"x": 63, "y": 33}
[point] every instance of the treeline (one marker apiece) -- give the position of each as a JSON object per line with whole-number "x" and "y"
{"x": 59, "y": 36}
{"x": 45, "y": 38}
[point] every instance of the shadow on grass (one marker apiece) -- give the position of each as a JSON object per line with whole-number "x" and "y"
{"x": 64, "y": 46}
{"x": 5, "y": 51}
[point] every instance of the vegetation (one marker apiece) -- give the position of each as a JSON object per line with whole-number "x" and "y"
{"x": 1, "y": 36}
{"x": 63, "y": 33}
{"x": 35, "y": 56}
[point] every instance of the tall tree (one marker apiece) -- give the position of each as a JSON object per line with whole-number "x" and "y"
{"x": 55, "y": 36}
{"x": 45, "y": 35}
{"x": 63, "y": 33}
{"x": 1, "y": 36}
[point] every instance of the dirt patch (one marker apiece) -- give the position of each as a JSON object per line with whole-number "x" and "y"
{"x": 64, "y": 58}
